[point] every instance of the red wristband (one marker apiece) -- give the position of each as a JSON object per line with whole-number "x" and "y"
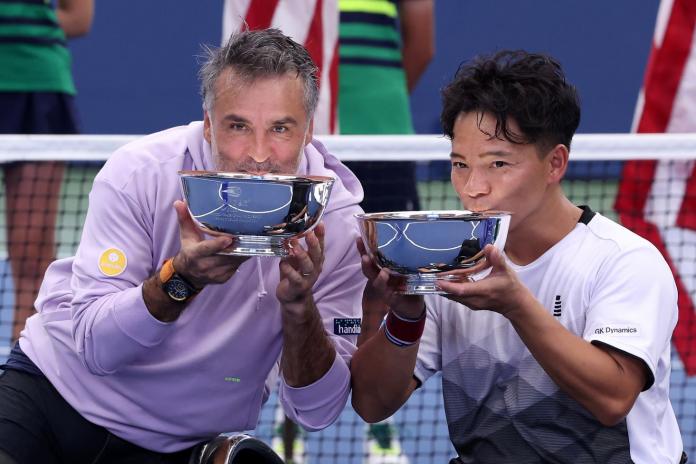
{"x": 402, "y": 331}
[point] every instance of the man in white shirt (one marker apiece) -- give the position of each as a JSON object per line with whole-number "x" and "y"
{"x": 562, "y": 352}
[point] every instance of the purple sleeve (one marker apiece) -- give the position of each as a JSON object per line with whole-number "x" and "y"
{"x": 111, "y": 324}
{"x": 338, "y": 295}
{"x": 318, "y": 405}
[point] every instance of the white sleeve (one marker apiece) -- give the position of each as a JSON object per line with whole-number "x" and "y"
{"x": 429, "y": 359}
{"x": 633, "y": 305}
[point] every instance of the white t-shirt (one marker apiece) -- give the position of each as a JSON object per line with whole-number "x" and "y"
{"x": 604, "y": 284}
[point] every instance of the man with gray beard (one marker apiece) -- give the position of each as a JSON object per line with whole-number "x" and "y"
{"x": 114, "y": 358}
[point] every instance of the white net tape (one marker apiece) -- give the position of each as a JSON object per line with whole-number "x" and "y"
{"x": 585, "y": 147}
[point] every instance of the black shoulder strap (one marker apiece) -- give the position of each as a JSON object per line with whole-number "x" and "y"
{"x": 587, "y": 215}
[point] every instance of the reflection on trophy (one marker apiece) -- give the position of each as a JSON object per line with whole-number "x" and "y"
{"x": 261, "y": 212}
{"x": 423, "y": 246}
{"x": 470, "y": 252}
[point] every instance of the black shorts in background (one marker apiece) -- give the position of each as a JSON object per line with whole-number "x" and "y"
{"x": 38, "y": 113}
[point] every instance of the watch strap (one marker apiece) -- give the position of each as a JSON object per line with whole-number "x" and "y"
{"x": 167, "y": 272}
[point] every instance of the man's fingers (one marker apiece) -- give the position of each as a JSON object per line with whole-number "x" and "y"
{"x": 224, "y": 272}
{"x": 215, "y": 268}
{"x": 361, "y": 246}
{"x": 291, "y": 273}
{"x": 226, "y": 261}
{"x": 369, "y": 269}
{"x": 451, "y": 288}
{"x": 381, "y": 282}
{"x": 315, "y": 249}
{"x": 188, "y": 230}
{"x": 213, "y": 246}
{"x": 495, "y": 257}
{"x": 463, "y": 274}
{"x": 320, "y": 232}
{"x": 304, "y": 262}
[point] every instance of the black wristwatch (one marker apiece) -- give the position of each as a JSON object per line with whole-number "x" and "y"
{"x": 175, "y": 285}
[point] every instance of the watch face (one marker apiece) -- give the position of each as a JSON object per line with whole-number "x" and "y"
{"x": 177, "y": 289}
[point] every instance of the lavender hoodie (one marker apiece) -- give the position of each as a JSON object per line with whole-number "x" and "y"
{"x": 168, "y": 386}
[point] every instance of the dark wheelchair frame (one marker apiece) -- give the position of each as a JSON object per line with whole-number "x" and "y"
{"x": 235, "y": 449}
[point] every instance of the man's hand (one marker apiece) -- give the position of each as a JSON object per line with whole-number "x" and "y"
{"x": 382, "y": 372}
{"x": 300, "y": 270}
{"x": 307, "y": 351}
{"x": 198, "y": 259}
{"x": 500, "y": 291}
{"x": 383, "y": 285}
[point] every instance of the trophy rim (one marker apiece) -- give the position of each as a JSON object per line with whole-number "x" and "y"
{"x": 289, "y": 178}
{"x": 432, "y": 215}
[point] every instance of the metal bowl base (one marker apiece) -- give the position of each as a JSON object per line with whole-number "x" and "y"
{"x": 258, "y": 246}
{"x": 423, "y": 284}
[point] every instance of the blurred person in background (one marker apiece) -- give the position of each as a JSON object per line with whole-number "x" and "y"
{"x": 37, "y": 96}
{"x": 384, "y": 48}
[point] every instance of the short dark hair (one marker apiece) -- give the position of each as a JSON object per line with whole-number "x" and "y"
{"x": 527, "y": 87}
{"x": 259, "y": 54}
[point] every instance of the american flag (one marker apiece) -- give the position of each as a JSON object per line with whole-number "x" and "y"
{"x": 313, "y": 23}
{"x": 657, "y": 199}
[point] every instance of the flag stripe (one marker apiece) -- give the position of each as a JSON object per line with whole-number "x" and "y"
{"x": 314, "y": 23}
{"x": 666, "y": 67}
{"x": 315, "y": 38}
{"x": 635, "y": 185}
{"x": 638, "y": 190}
{"x": 664, "y": 72}
{"x": 260, "y": 14}
{"x": 683, "y": 333}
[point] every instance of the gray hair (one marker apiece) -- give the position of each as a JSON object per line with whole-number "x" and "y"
{"x": 257, "y": 54}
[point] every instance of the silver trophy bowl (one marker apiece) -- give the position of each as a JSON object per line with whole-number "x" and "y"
{"x": 421, "y": 247}
{"x": 261, "y": 212}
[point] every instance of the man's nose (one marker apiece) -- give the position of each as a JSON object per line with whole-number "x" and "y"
{"x": 259, "y": 150}
{"x": 476, "y": 185}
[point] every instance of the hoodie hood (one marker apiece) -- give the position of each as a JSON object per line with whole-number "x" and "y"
{"x": 201, "y": 155}
{"x": 316, "y": 161}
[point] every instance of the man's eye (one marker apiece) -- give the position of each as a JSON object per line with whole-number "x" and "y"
{"x": 237, "y": 126}
{"x": 499, "y": 164}
{"x": 458, "y": 164}
{"x": 280, "y": 129}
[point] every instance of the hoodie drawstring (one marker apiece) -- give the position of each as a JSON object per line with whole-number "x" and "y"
{"x": 262, "y": 287}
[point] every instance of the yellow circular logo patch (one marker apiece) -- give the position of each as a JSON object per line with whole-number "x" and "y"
{"x": 112, "y": 262}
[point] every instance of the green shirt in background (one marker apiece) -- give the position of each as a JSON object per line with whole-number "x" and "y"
{"x": 373, "y": 95}
{"x": 33, "y": 52}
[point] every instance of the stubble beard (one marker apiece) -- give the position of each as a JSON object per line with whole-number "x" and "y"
{"x": 251, "y": 166}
